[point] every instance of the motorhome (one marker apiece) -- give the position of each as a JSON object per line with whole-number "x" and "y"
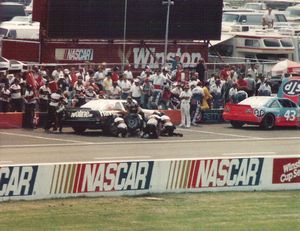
{"x": 236, "y": 21}
{"x": 23, "y": 31}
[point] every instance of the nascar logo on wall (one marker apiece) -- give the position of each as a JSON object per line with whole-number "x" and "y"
{"x": 74, "y": 54}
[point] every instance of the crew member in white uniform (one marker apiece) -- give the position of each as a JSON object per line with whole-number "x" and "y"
{"x": 121, "y": 127}
{"x": 185, "y": 97}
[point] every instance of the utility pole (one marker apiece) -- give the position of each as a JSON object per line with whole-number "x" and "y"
{"x": 124, "y": 35}
{"x": 168, "y": 3}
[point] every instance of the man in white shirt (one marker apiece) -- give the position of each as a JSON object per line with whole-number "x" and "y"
{"x": 268, "y": 19}
{"x": 136, "y": 91}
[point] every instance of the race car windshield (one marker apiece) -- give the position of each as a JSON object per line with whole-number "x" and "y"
{"x": 103, "y": 105}
{"x": 256, "y": 101}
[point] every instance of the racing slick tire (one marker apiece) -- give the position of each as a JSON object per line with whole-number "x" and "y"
{"x": 268, "y": 122}
{"x": 79, "y": 129}
{"x": 133, "y": 122}
{"x": 237, "y": 124}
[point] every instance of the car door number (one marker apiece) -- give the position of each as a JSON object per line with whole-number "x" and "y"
{"x": 290, "y": 115}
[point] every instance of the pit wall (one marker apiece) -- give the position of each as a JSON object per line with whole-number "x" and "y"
{"x": 15, "y": 119}
{"x": 120, "y": 178}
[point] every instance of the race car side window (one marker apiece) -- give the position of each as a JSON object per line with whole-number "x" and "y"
{"x": 287, "y": 103}
{"x": 274, "y": 104}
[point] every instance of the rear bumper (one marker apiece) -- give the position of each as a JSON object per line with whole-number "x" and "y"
{"x": 247, "y": 118}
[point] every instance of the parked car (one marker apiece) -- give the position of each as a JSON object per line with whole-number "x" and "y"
{"x": 100, "y": 114}
{"x": 8, "y": 10}
{"x": 292, "y": 13}
{"x": 265, "y": 111}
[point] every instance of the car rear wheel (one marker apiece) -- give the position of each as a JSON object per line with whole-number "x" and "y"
{"x": 237, "y": 124}
{"x": 268, "y": 122}
{"x": 79, "y": 129}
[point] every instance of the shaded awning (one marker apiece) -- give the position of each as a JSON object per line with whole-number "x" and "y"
{"x": 224, "y": 37}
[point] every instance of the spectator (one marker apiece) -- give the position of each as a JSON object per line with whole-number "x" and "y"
{"x": 107, "y": 82}
{"x": 115, "y": 74}
{"x": 185, "y": 98}
{"x": 251, "y": 85}
{"x": 16, "y": 96}
{"x": 265, "y": 89}
{"x": 125, "y": 86}
{"x": 136, "y": 91}
{"x": 115, "y": 91}
{"x": 268, "y": 19}
{"x": 52, "y": 119}
{"x": 206, "y": 102}
{"x": 200, "y": 69}
{"x": 216, "y": 92}
{"x": 5, "y": 97}
{"x": 147, "y": 90}
{"x": 128, "y": 73}
{"x": 44, "y": 96}
{"x": 90, "y": 94}
{"x": 30, "y": 102}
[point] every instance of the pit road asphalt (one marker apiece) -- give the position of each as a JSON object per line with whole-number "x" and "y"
{"x": 20, "y": 146}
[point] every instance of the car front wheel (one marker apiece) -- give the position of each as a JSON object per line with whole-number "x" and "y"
{"x": 268, "y": 122}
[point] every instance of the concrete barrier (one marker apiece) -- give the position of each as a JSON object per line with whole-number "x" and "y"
{"x": 118, "y": 178}
{"x": 11, "y": 120}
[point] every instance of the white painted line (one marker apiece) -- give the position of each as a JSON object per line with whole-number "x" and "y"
{"x": 39, "y": 137}
{"x": 120, "y": 157}
{"x": 5, "y": 161}
{"x": 248, "y": 153}
{"x": 216, "y": 133}
{"x": 157, "y": 142}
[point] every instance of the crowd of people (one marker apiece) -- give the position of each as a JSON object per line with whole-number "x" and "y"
{"x": 174, "y": 87}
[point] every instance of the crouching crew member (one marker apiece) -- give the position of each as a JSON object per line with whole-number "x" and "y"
{"x": 168, "y": 128}
{"x": 121, "y": 127}
{"x": 152, "y": 128}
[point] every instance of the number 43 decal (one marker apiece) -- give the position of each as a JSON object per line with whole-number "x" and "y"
{"x": 290, "y": 115}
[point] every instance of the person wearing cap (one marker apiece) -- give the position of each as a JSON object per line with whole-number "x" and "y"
{"x": 115, "y": 74}
{"x": 52, "y": 119}
{"x": 152, "y": 128}
{"x": 146, "y": 73}
{"x": 125, "y": 86}
{"x": 168, "y": 127}
{"x": 29, "y": 102}
{"x": 185, "y": 98}
{"x": 136, "y": 91}
{"x": 206, "y": 101}
{"x": 44, "y": 96}
{"x": 128, "y": 72}
{"x": 115, "y": 91}
{"x": 16, "y": 96}
{"x": 196, "y": 100}
{"x": 147, "y": 90}
{"x": 90, "y": 94}
{"x": 122, "y": 128}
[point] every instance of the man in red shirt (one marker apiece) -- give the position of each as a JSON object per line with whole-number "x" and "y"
{"x": 242, "y": 83}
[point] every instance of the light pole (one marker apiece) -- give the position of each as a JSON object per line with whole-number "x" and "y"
{"x": 124, "y": 35}
{"x": 169, "y": 3}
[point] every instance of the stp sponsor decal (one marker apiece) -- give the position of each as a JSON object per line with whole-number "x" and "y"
{"x": 101, "y": 177}
{"x": 74, "y": 54}
{"x": 17, "y": 180}
{"x": 286, "y": 170}
{"x": 215, "y": 173}
{"x": 292, "y": 87}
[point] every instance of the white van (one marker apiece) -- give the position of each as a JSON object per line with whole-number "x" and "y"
{"x": 26, "y": 31}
